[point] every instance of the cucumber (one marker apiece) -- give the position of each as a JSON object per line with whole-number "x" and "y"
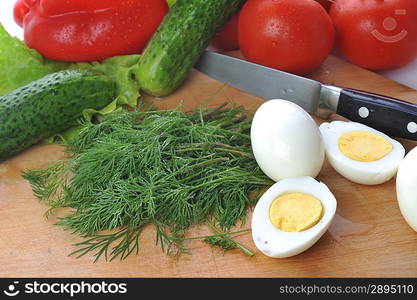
{"x": 181, "y": 38}
{"x": 48, "y": 106}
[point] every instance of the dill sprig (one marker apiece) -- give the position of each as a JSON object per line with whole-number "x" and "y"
{"x": 223, "y": 240}
{"x": 166, "y": 167}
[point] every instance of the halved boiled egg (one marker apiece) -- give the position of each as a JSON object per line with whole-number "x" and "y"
{"x": 291, "y": 216}
{"x": 361, "y": 153}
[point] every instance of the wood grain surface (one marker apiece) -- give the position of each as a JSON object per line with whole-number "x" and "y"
{"x": 368, "y": 237}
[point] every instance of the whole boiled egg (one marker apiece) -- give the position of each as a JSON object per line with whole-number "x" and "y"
{"x": 291, "y": 216}
{"x": 406, "y": 182}
{"x": 361, "y": 153}
{"x": 286, "y": 141}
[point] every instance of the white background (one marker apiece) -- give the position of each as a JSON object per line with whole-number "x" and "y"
{"x": 406, "y": 75}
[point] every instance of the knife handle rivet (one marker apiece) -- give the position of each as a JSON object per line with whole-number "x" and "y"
{"x": 412, "y": 127}
{"x": 363, "y": 112}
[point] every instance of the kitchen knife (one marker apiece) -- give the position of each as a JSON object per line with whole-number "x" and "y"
{"x": 392, "y": 116}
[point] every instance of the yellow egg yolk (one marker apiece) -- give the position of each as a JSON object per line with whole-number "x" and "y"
{"x": 364, "y": 146}
{"x": 295, "y": 212}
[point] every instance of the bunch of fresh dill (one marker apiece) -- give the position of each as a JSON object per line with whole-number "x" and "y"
{"x": 166, "y": 167}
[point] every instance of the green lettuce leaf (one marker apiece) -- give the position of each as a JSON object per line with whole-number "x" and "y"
{"x": 20, "y": 65}
{"x": 122, "y": 70}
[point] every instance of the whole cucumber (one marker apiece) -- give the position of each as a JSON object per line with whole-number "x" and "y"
{"x": 179, "y": 41}
{"x": 48, "y": 106}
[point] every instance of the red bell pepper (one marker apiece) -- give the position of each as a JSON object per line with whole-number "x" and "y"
{"x": 88, "y": 30}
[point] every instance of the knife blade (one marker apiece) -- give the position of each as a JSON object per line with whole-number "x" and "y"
{"x": 392, "y": 116}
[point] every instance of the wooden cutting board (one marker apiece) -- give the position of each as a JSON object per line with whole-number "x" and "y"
{"x": 368, "y": 238}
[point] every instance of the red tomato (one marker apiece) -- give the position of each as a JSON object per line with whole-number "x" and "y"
{"x": 375, "y": 34}
{"x": 227, "y": 39}
{"x": 90, "y": 30}
{"x": 325, "y": 3}
{"x": 19, "y": 11}
{"x": 291, "y": 35}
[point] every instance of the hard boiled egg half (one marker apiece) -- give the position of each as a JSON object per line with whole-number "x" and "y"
{"x": 291, "y": 216}
{"x": 286, "y": 141}
{"x": 361, "y": 153}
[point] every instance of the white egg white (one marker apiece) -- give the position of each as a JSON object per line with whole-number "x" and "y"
{"x": 286, "y": 141}
{"x": 276, "y": 243}
{"x": 406, "y": 184}
{"x": 374, "y": 172}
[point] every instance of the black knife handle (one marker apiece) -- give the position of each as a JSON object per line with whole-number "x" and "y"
{"x": 389, "y": 115}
